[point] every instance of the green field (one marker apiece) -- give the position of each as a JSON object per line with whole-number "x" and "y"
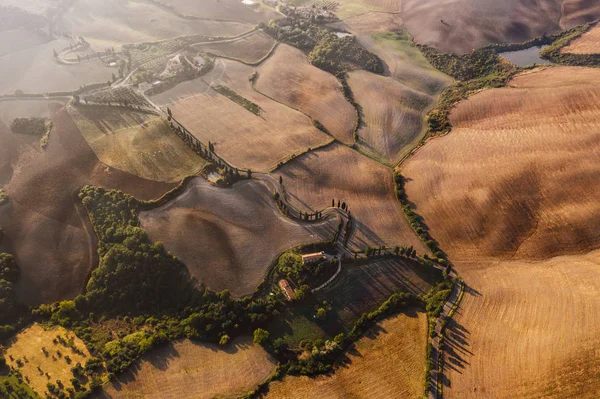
{"x": 361, "y": 287}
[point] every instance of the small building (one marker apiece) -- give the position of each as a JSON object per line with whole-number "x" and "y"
{"x": 287, "y": 289}
{"x": 313, "y": 258}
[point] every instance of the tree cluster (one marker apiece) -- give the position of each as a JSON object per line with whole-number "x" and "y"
{"x": 325, "y": 50}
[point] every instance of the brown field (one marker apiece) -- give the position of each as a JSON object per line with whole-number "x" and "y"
{"x": 112, "y": 23}
{"x": 469, "y": 24}
{"x": 337, "y": 172}
{"x": 224, "y": 10}
{"x": 33, "y": 70}
{"x": 393, "y": 126}
{"x": 135, "y": 142}
{"x": 388, "y": 362}
{"x": 185, "y": 369}
{"x": 249, "y": 49}
{"x": 385, "y": 36}
{"x": 588, "y": 43}
{"x": 27, "y": 347}
{"x": 228, "y": 237}
{"x": 288, "y": 77}
{"x": 392, "y": 114}
{"x": 517, "y": 177}
{"x": 46, "y": 228}
{"x": 526, "y": 330}
{"x": 241, "y": 137}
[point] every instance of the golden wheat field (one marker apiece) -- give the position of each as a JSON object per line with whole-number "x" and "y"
{"x": 392, "y": 114}
{"x": 139, "y": 143}
{"x": 187, "y": 369}
{"x": 588, "y": 43}
{"x": 526, "y": 330}
{"x": 228, "y": 237}
{"x": 517, "y": 175}
{"x": 25, "y": 352}
{"x": 462, "y": 25}
{"x": 288, "y": 77}
{"x": 388, "y": 362}
{"x": 244, "y": 139}
{"x": 337, "y": 172}
{"x": 249, "y": 49}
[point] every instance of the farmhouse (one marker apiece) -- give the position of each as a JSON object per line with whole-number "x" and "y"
{"x": 312, "y": 258}
{"x": 287, "y": 289}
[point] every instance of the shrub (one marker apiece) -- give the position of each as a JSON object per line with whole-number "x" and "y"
{"x": 260, "y": 336}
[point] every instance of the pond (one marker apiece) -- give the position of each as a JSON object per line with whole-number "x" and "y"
{"x": 526, "y": 57}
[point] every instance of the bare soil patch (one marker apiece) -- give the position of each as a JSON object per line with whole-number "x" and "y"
{"x": 135, "y": 142}
{"x": 186, "y": 369}
{"x": 228, "y": 237}
{"x": 288, "y": 77}
{"x": 517, "y": 176}
{"x": 526, "y": 330}
{"x": 250, "y": 49}
{"x": 246, "y": 140}
{"x": 337, "y": 172}
{"x": 388, "y": 362}
{"x": 461, "y": 25}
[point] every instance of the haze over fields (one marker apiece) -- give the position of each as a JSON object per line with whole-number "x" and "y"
{"x": 299, "y": 199}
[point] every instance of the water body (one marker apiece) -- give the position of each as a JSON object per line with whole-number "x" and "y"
{"x": 526, "y": 57}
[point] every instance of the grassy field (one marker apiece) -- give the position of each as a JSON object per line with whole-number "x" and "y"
{"x": 186, "y": 369}
{"x": 288, "y": 77}
{"x": 229, "y": 237}
{"x": 503, "y": 343}
{"x": 388, "y": 362}
{"x": 135, "y": 142}
{"x": 588, "y": 43}
{"x": 249, "y": 49}
{"x": 462, "y": 25}
{"x": 46, "y": 228}
{"x": 393, "y": 106}
{"x": 337, "y": 172}
{"x": 392, "y": 114}
{"x": 113, "y": 23}
{"x": 360, "y": 288}
{"x": 243, "y": 138}
{"x": 38, "y": 368}
{"x": 385, "y": 36}
{"x": 516, "y": 176}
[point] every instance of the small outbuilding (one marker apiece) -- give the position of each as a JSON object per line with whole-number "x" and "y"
{"x": 287, "y": 289}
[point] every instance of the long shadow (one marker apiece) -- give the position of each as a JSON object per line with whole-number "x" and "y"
{"x": 456, "y": 346}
